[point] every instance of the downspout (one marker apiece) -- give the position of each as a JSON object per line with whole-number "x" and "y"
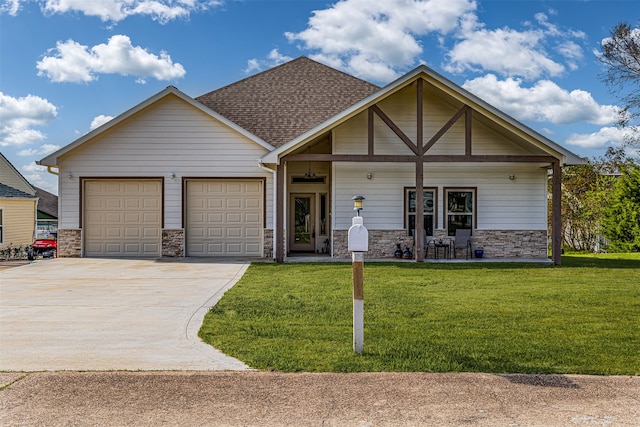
{"x": 273, "y": 208}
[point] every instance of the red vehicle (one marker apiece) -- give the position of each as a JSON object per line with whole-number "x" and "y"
{"x": 46, "y": 246}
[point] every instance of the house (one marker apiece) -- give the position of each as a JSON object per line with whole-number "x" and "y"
{"x": 47, "y": 213}
{"x": 18, "y": 202}
{"x": 267, "y": 167}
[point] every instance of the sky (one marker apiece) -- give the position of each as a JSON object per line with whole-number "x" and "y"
{"x": 68, "y": 66}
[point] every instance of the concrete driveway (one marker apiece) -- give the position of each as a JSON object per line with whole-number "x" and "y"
{"x": 112, "y": 314}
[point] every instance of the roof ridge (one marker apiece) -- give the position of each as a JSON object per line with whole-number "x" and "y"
{"x": 275, "y": 69}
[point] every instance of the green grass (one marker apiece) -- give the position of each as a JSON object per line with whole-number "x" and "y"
{"x": 582, "y": 317}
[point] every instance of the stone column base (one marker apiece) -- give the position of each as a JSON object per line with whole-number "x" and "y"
{"x": 173, "y": 242}
{"x": 267, "y": 243}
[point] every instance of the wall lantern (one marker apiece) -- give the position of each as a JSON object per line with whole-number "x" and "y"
{"x": 70, "y": 175}
{"x": 512, "y": 176}
{"x": 357, "y": 204}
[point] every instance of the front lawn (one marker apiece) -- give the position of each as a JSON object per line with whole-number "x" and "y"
{"x": 582, "y": 317}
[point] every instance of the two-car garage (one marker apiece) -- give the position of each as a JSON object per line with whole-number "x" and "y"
{"x": 124, "y": 217}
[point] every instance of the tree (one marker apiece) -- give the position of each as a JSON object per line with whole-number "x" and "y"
{"x": 621, "y": 221}
{"x": 621, "y": 56}
{"x": 586, "y": 192}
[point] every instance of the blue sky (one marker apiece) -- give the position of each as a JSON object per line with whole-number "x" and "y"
{"x": 66, "y": 66}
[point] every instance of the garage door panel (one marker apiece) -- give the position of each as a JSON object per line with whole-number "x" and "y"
{"x": 234, "y": 232}
{"x": 251, "y": 248}
{"x": 252, "y": 218}
{"x": 252, "y": 204}
{"x": 113, "y": 233}
{"x": 214, "y": 232}
{"x": 252, "y": 232}
{"x": 234, "y": 203}
{"x": 122, "y": 218}
{"x": 215, "y": 203}
{"x": 215, "y": 218}
{"x": 233, "y": 218}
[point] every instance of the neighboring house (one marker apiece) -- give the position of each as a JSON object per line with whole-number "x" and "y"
{"x": 47, "y": 215}
{"x": 267, "y": 167}
{"x": 17, "y": 207}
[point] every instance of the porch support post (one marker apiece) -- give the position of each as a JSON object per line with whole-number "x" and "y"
{"x": 279, "y": 222}
{"x": 556, "y": 214}
{"x": 419, "y": 230}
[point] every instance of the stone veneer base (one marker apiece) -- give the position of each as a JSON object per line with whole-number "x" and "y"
{"x": 494, "y": 243}
{"x": 69, "y": 243}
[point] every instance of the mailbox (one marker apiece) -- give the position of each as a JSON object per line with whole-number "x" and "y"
{"x": 358, "y": 240}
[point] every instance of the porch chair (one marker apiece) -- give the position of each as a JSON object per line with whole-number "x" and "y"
{"x": 463, "y": 241}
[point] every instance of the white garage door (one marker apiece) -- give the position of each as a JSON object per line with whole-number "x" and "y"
{"x": 224, "y": 218}
{"x": 122, "y": 218}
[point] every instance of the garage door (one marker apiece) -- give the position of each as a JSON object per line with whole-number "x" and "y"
{"x": 224, "y": 218}
{"x": 122, "y": 218}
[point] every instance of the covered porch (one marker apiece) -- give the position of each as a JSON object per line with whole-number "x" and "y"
{"x": 418, "y": 152}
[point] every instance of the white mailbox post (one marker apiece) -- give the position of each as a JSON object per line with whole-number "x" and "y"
{"x": 358, "y": 244}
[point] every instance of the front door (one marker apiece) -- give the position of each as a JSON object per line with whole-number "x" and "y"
{"x": 302, "y": 223}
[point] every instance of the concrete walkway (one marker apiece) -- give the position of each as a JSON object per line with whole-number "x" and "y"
{"x": 112, "y": 314}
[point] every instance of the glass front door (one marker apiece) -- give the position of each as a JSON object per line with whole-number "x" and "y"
{"x": 302, "y": 223}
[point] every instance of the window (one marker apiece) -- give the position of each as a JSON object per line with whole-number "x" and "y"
{"x": 460, "y": 210}
{"x": 323, "y": 214}
{"x": 1, "y": 227}
{"x": 410, "y": 210}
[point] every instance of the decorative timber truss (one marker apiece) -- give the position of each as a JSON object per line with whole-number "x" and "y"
{"x": 420, "y": 148}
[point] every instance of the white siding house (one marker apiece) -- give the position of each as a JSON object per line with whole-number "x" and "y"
{"x": 267, "y": 167}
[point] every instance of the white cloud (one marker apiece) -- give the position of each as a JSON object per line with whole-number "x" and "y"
{"x": 42, "y": 151}
{"x": 19, "y": 116}
{"x": 11, "y": 7}
{"x": 117, "y": 10}
{"x": 99, "y": 121}
{"x": 72, "y": 62}
{"x": 371, "y": 39}
{"x": 601, "y": 138}
{"x": 273, "y": 59}
{"x": 545, "y": 101}
{"x": 514, "y": 53}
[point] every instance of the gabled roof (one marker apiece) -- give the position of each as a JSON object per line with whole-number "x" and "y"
{"x": 283, "y": 102}
{"x": 447, "y": 87}
{"x": 47, "y": 202}
{"x": 11, "y": 178}
{"x": 52, "y": 159}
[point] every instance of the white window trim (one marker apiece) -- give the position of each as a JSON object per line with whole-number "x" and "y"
{"x": 434, "y": 212}
{"x": 474, "y": 209}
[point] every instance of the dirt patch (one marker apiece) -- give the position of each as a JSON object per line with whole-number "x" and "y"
{"x": 8, "y": 263}
{"x": 275, "y": 399}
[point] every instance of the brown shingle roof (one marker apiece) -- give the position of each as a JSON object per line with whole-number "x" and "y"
{"x": 281, "y": 103}
{"x": 47, "y": 202}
